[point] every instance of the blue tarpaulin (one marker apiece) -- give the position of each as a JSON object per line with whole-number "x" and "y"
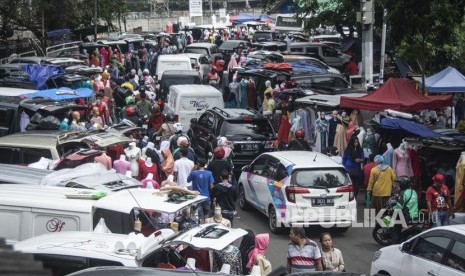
{"x": 61, "y": 94}
{"x": 411, "y": 127}
{"x": 264, "y": 18}
{"x": 301, "y": 65}
{"x": 39, "y": 74}
{"x": 243, "y": 17}
{"x": 59, "y": 32}
{"x": 448, "y": 80}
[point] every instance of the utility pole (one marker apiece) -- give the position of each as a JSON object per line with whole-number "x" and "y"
{"x": 383, "y": 49}
{"x": 95, "y": 20}
{"x": 366, "y": 17}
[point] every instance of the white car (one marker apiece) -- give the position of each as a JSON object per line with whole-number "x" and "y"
{"x": 298, "y": 188}
{"x": 67, "y": 252}
{"x": 439, "y": 251}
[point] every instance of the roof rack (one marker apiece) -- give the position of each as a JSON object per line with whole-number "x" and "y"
{"x": 224, "y": 113}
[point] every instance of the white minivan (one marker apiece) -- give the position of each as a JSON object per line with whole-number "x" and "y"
{"x": 172, "y": 62}
{"x": 186, "y": 102}
{"x": 30, "y": 210}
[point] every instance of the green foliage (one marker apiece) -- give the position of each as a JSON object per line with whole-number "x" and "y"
{"x": 461, "y": 126}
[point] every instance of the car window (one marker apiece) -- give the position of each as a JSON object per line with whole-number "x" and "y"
{"x": 271, "y": 169}
{"x": 337, "y": 82}
{"x": 456, "y": 258}
{"x": 32, "y": 155}
{"x": 9, "y": 155}
{"x": 312, "y": 51}
{"x": 61, "y": 264}
{"x": 203, "y": 60}
{"x": 193, "y": 50}
{"x": 293, "y": 50}
{"x": 99, "y": 262}
{"x": 329, "y": 178}
{"x": 213, "y": 49}
{"x": 330, "y": 52}
{"x": 326, "y": 81}
{"x": 432, "y": 248}
{"x": 281, "y": 172}
{"x": 254, "y": 128}
{"x": 259, "y": 165}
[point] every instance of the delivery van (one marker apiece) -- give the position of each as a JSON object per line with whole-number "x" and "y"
{"x": 30, "y": 210}
{"x": 190, "y": 101}
{"x": 171, "y": 62}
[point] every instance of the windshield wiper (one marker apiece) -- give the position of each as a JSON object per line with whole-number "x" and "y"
{"x": 320, "y": 187}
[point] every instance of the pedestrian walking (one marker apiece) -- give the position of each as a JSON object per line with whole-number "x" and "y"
{"x": 331, "y": 257}
{"x": 182, "y": 169}
{"x": 381, "y": 183}
{"x": 303, "y": 254}
{"x": 202, "y": 181}
{"x": 352, "y": 160}
{"x": 438, "y": 201}
{"x": 246, "y": 246}
{"x": 224, "y": 194}
{"x": 257, "y": 255}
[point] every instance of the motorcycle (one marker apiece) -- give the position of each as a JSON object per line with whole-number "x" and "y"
{"x": 386, "y": 234}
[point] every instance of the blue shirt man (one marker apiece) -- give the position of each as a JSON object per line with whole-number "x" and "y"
{"x": 202, "y": 181}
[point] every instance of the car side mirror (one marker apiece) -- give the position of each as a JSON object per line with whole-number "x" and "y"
{"x": 194, "y": 121}
{"x": 405, "y": 247}
{"x": 246, "y": 168}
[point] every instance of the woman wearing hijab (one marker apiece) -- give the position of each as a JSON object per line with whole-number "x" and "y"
{"x": 352, "y": 159}
{"x": 167, "y": 165}
{"x": 247, "y": 245}
{"x": 257, "y": 255}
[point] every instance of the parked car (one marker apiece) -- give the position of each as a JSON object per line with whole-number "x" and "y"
{"x": 263, "y": 36}
{"x": 298, "y": 188}
{"x": 324, "y": 83}
{"x": 323, "y": 52}
{"x": 275, "y": 46}
{"x": 250, "y": 133}
{"x": 437, "y": 251}
{"x": 234, "y": 46}
{"x": 209, "y": 49}
{"x": 310, "y": 60}
{"x": 175, "y": 77}
{"x": 200, "y": 62}
{"x": 81, "y": 250}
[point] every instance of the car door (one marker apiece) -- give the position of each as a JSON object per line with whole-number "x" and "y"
{"x": 427, "y": 254}
{"x": 256, "y": 182}
{"x": 455, "y": 262}
{"x": 200, "y": 133}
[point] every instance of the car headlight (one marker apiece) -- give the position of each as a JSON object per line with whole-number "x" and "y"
{"x": 377, "y": 255}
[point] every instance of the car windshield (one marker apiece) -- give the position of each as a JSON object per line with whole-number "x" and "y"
{"x": 167, "y": 81}
{"x": 193, "y": 50}
{"x": 328, "y": 178}
{"x": 257, "y": 127}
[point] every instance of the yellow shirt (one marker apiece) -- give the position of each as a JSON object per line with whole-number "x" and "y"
{"x": 381, "y": 181}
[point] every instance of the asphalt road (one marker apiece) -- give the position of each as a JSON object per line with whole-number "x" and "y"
{"x": 357, "y": 244}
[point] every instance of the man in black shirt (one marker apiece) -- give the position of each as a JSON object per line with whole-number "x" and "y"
{"x": 218, "y": 164}
{"x": 224, "y": 194}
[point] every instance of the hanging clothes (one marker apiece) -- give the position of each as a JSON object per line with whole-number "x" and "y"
{"x": 356, "y": 118}
{"x": 115, "y": 151}
{"x": 459, "y": 179}
{"x": 122, "y": 166}
{"x": 284, "y": 129}
{"x": 276, "y": 121}
{"x": 416, "y": 167}
{"x": 388, "y": 155}
{"x": 321, "y": 134}
{"x": 251, "y": 95}
{"x": 369, "y": 144}
{"x": 340, "y": 141}
{"x": 401, "y": 163}
{"x": 244, "y": 102}
{"x": 332, "y": 125}
{"x": 104, "y": 159}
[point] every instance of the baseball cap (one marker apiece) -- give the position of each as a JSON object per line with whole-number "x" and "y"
{"x": 438, "y": 177}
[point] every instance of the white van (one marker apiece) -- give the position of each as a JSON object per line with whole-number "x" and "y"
{"x": 190, "y": 101}
{"x": 172, "y": 62}
{"x": 30, "y": 210}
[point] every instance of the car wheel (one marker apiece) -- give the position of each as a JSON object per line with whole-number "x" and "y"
{"x": 381, "y": 235}
{"x": 242, "y": 201}
{"x": 273, "y": 221}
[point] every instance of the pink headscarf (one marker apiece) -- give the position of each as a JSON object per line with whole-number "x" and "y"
{"x": 261, "y": 244}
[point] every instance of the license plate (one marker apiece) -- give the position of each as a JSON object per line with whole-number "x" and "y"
{"x": 322, "y": 201}
{"x": 250, "y": 146}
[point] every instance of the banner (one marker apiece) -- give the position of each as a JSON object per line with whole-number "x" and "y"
{"x": 195, "y": 8}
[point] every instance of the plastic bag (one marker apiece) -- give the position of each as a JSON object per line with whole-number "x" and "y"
{"x": 49, "y": 122}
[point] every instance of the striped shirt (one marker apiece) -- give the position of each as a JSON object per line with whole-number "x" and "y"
{"x": 303, "y": 259}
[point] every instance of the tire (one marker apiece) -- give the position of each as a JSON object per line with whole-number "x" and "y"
{"x": 381, "y": 235}
{"x": 243, "y": 204}
{"x": 272, "y": 221}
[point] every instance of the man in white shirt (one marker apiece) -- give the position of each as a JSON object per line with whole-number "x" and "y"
{"x": 182, "y": 168}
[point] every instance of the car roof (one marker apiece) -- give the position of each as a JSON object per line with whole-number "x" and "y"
{"x": 174, "y": 57}
{"x": 306, "y": 44}
{"x": 180, "y": 73}
{"x": 125, "y": 200}
{"x": 317, "y": 75}
{"x": 193, "y": 55}
{"x": 200, "y": 45}
{"x": 76, "y": 243}
{"x": 139, "y": 271}
{"x": 31, "y": 139}
{"x": 37, "y": 196}
{"x": 196, "y": 89}
{"x": 326, "y": 100}
{"x": 236, "y": 113}
{"x": 305, "y": 159}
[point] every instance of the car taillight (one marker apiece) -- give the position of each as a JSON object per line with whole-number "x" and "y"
{"x": 347, "y": 189}
{"x": 269, "y": 145}
{"x": 292, "y": 190}
{"x": 176, "y": 118}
